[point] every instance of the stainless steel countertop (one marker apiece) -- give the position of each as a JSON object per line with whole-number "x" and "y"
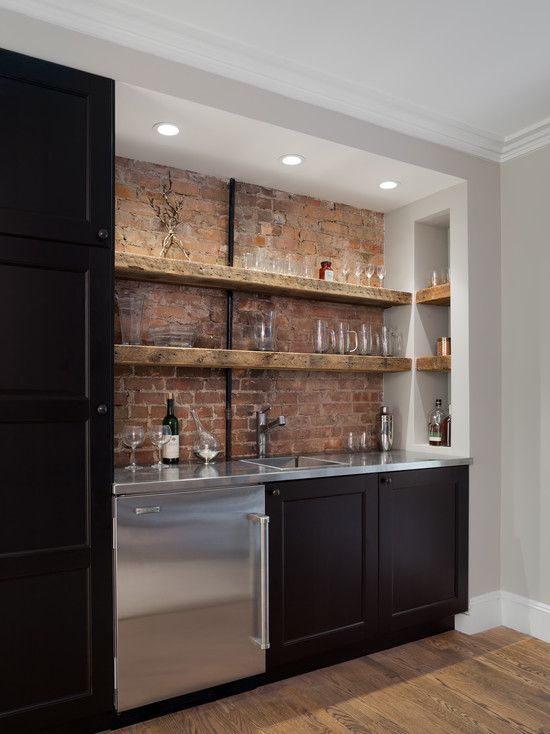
{"x": 191, "y": 476}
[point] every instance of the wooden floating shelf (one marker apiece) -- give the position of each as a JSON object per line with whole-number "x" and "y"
{"x": 164, "y": 270}
{"x": 437, "y": 295}
{"x": 433, "y": 364}
{"x": 248, "y": 360}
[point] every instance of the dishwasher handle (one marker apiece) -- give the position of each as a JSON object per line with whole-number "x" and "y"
{"x": 263, "y": 522}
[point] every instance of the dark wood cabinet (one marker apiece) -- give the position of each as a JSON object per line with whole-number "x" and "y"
{"x": 55, "y": 127}
{"x": 56, "y": 314}
{"x": 423, "y": 546}
{"x": 323, "y": 566}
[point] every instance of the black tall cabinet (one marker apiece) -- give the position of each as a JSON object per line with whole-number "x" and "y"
{"x": 56, "y": 284}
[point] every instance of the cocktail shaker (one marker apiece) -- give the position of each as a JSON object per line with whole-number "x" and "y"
{"x": 385, "y": 429}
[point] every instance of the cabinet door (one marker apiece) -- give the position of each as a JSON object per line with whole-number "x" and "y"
{"x": 423, "y": 546}
{"x": 323, "y": 566}
{"x": 56, "y": 145}
{"x": 55, "y": 518}
{"x": 56, "y": 314}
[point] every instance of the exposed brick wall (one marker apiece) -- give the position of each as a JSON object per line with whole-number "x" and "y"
{"x": 321, "y": 408}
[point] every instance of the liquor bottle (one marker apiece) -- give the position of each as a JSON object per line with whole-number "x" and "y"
{"x": 446, "y": 437}
{"x": 435, "y": 425}
{"x": 171, "y": 450}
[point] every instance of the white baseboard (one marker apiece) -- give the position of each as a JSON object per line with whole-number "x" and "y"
{"x": 485, "y": 612}
{"x": 504, "y": 608}
{"x": 526, "y": 615}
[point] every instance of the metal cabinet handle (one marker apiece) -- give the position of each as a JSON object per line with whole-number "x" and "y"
{"x": 103, "y": 234}
{"x": 148, "y": 510}
{"x": 263, "y": 520}
{"x": 386, "y": 480}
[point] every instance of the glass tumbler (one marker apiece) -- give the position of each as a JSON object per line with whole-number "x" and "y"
{"x": 357, "y": 441}
{"x": 386, "y": 341}
{"x": 367, "y": 340}
{"x": 130, "y": 311}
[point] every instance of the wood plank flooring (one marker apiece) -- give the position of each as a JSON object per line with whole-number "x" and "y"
{"x": 497, "y": 682}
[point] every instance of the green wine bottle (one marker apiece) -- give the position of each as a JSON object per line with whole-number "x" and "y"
{"x": 171, "y": 450}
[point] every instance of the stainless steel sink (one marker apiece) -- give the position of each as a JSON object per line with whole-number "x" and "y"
{"x": 292, "y": 462}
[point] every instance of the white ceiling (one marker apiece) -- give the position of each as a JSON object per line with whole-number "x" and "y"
{"x": 223, "y": 144}
{"x": 472, "y": 75}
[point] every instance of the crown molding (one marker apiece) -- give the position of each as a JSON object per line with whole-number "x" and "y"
{"x": 143, "y": 29}
{"x": 526, "y": 141}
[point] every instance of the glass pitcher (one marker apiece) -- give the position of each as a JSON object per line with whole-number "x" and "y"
{"x": 344, "y": 338}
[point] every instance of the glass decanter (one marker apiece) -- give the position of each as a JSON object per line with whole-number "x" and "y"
{"x": 206, "y": 446}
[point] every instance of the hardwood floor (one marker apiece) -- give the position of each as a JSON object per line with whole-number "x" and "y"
{"x": 496, "y": 682}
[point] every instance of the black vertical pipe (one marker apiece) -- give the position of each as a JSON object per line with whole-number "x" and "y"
{"x": 229, "y": 321}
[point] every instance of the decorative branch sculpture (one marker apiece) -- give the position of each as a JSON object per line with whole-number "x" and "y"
{"x": 169, "y": 216}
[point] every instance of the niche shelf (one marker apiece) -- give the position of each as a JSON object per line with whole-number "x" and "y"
{"x": 165, "y": 270}
{"x": 242, "y": 359}
{"x": 437, "y": 295}
{"x": 433, "y": 364}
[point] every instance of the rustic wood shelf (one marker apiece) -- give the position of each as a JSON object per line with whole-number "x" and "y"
{"x": 437, "y": 295}
{"x": 433, "y": 364}
{"x": 164, "y": 270}
{"x": 249, "y": 360}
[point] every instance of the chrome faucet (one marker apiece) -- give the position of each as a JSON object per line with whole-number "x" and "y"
{"x": 263, "y": 427}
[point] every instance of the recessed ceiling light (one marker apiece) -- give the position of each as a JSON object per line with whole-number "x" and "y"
{"x": 166, "y": 128}
{"x": 389, "y": 184}
{"x": 291, "y": 159}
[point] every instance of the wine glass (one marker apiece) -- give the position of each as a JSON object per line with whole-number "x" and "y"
{"x": 159, "y": 435}
{"x": 369, "y": 272}
{"x": 132, "y": 437}
{"x": 381, "y": 274}
{"x": 346, "y": 269}
{"x": 358, "y": 271}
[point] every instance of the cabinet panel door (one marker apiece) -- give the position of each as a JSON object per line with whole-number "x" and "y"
{"x": 55, "y": 500}
{"x": 323, "y": 549}
{"x": 423, "y": 546}
{"x": 56, "y": 152}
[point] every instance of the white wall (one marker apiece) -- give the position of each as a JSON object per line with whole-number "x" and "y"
{"x": 525, "y": 537}
{"x": 412, "y": 248}
{"x": 55, "y": 44}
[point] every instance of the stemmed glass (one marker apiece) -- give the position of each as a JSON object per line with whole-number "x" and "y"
{"x": 132, "y": 437}
{"x": 346, "y": 269}
{"x": 381, "y": 274}
{"x": 358, "y": 271}
{"x": 159, "y": 435}
{"x": 369, "y": 272}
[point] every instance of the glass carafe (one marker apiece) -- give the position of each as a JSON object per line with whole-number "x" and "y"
{"x": 323, "y": 337}
{"x": 264, "y": 332}
{"x": 206, "y": 446}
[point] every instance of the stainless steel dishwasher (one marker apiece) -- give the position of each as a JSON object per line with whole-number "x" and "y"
{"x": 191, "y": 591}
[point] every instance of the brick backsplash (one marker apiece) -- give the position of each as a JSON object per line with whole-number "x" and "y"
{"x": 321, "y": 407}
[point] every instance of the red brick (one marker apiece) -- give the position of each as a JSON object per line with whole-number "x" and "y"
{"x": 320, "y": 407}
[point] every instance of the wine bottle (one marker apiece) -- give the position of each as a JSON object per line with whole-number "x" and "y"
{"x": 447, "y": 428}
{"x": 171, "y": 450}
